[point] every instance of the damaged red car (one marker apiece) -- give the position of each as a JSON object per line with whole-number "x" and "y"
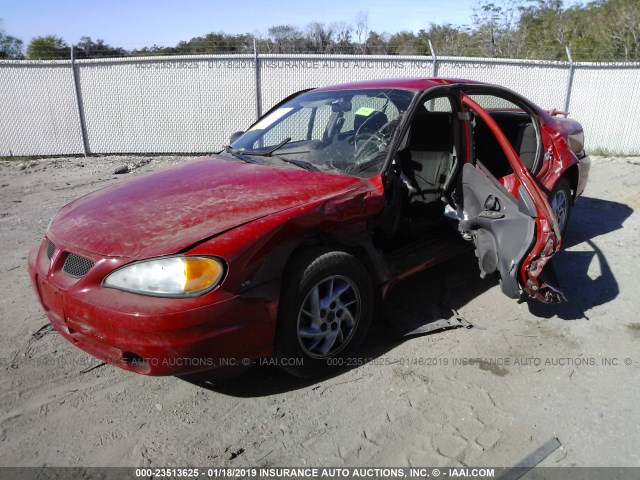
{"x": 280, "y": 245}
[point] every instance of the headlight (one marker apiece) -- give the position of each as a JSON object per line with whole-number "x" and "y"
{"x": 168, "y": 277}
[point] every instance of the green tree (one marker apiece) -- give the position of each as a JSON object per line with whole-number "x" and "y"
{"x": 341, "y": 38}
{"x": 284, "y": 39}
{"x": 376, "y": 44}
{"x": 495, "y": 30}
{"x": 10, "y": 47}
{"x": 319, "y": 38}
{"x": 217, "y": 42}
{"x": 446, "y": 39}
{"x": 48, "y": 48}
{"x": 157, "y": 50}
{"x": 541, "y": 29}
{"x": 580, "y": 28}
{"x": 403, "y": 43}
{"x": 87, "y": 48}
{"x": 622, "y": 19}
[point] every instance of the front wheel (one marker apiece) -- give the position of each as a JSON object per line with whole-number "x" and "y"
{"x": 326, "y": 308}
{"x": 561, "y": 202}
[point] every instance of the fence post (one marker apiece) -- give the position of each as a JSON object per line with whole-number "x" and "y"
{"x": 434, "y": 72}
{"x": 567, "y": 97}
{"x": 258, "y": 86}
{"x": 76, "y": 89}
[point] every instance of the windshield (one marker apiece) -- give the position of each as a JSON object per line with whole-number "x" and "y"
{"x": 340, "y": 131}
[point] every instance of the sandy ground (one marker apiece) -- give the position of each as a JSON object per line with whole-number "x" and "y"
{"x": 419, "y": 402}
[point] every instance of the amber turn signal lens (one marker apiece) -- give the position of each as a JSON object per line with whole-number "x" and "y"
{"x": 201, "y": 273}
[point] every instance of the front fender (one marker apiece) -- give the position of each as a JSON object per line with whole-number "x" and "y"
{"x": 257, "y": 253}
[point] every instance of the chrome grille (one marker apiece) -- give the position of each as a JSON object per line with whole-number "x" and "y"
{"x": 50, "y": 249}
{"x": 76, "y": 266}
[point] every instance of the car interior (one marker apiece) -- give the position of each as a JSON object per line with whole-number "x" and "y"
{"x": 426, "y": 166}
{"x": 519, "y": 130}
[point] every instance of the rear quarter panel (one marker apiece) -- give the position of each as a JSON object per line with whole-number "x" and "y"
{"x": 559, "y": 159}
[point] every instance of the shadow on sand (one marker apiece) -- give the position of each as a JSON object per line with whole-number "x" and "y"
{"x": 585, "y": 283}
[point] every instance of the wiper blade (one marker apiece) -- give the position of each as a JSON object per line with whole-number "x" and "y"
{"x": 300, "y": 163}
{"x": 237, "y": 154}
{"x": 267, "y": 153}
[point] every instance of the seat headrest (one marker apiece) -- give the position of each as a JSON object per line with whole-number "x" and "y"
{"x": 432, "y": 132}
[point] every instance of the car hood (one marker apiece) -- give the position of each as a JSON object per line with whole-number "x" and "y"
{"x": 164, "y": 212}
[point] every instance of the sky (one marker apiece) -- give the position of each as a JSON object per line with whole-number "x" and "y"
{"x": 138, "y": 23}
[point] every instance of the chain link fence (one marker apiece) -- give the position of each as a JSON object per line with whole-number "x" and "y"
{"x": 190, "y": 104}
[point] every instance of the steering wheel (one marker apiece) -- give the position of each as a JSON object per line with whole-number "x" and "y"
{"x": 369, "y": 142}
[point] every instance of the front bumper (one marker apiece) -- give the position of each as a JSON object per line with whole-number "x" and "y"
{"x": 150, "y": 335}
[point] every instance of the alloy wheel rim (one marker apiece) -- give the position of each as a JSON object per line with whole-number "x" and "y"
{"x": 559, "y": 206}
{"x": 328, "y": 317}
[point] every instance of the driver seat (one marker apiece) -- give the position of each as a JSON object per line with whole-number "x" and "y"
{"x": 428, "y": 158}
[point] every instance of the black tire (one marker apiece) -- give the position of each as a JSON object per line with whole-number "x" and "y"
{"x": 561, "y": 195}
{"x": 312, "y": 318}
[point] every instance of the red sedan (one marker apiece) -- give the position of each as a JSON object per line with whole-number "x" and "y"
{"x": 280, "y": 245}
